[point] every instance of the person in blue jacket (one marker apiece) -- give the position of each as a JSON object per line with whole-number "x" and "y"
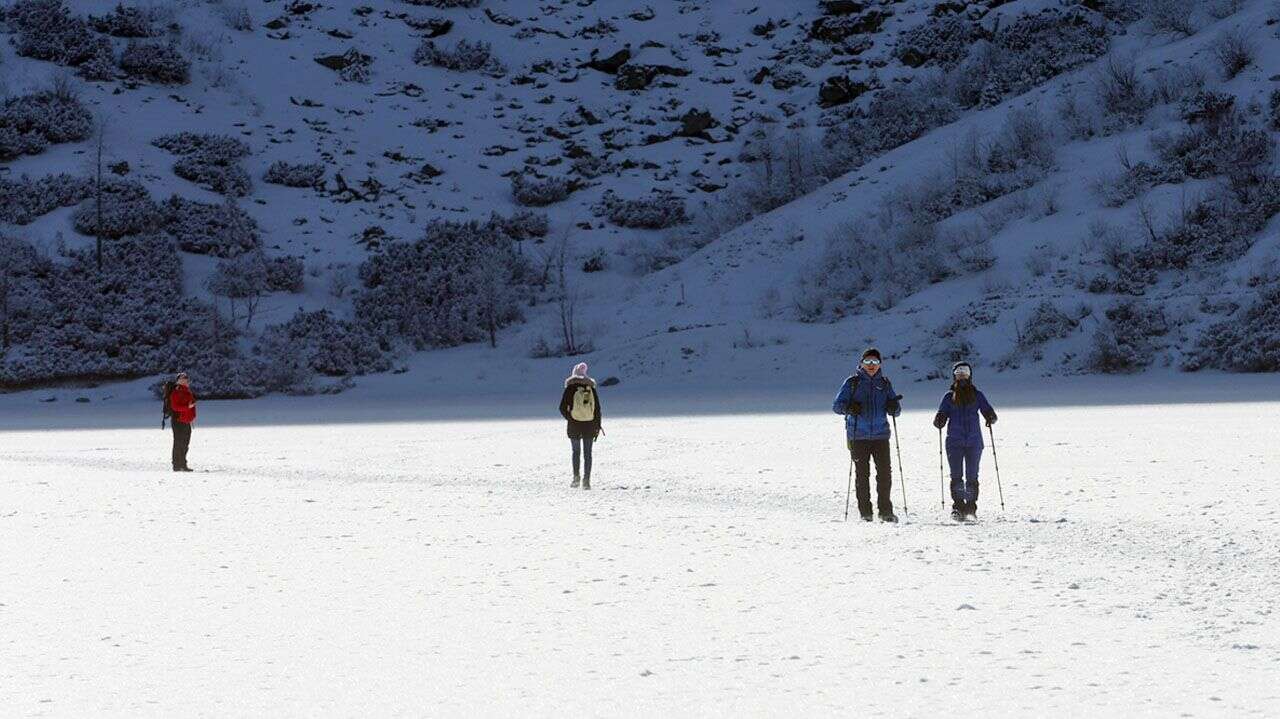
{"x": 867, "y": 400}
{"x": 959, "y": 414}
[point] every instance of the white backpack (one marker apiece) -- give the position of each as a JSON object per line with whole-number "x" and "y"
{"x": 584, "y": 404}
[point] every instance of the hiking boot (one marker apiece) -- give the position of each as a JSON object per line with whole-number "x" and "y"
{"x": 576, "y": 481}
{"x": 888, "y": 517}
{"x": 186, "y": 469}
{"x": 971, "y": 510}
{"x": 586, "y": 483}
{"x": 867, "y": 517}
{"x": 957, "y": 511}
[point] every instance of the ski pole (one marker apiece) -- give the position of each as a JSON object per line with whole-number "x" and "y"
{"x": 942, "y": 481}
{"x": 900, "y": 470}
{"x": 996, "y": 459}
{"x": 849, "y": 488}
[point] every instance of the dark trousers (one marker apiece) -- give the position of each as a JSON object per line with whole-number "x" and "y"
{"x": 582, "y": 455}
{"x": 964, "y": 473}
{"x": 181, "y": 441}
{"x": 863, "y": 451}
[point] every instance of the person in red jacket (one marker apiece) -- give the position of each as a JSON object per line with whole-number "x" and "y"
{"x": 183, "y": 405}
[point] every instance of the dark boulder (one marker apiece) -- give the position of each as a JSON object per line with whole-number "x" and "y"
{"x": 836, "y": 29}
{"x": 634, "y": 76}
{"x": 609, "y": 65}
{"x": 839, "y": 90}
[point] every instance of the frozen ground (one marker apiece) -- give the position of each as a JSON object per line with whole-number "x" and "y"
{"x": 434, "y": 567}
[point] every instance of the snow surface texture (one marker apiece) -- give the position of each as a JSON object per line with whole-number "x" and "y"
{"x": 365, "y": 555}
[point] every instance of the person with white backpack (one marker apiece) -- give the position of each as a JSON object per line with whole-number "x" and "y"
{"x": 580, "y": 406}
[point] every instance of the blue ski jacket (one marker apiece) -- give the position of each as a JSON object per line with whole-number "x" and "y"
{"x": 878, "y": 402}
{"x": 963, "y": 426}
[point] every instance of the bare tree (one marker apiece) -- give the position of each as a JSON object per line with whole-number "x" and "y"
{"x": 493, "y": 292}
{"x": 243, "y": 278}
{"x": 567, "y": 297}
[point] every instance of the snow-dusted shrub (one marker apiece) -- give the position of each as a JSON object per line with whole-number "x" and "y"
{"x": 445, "y": 4}
{"x": 597, "y": 261}
{"x": 1121, "y": 95}
{"x": 591, "y": 166}
{"x": 127, "y": 320}
{"x": 465, "y": 56}
{"x": 650, "y": 254}
{"x": 1248, "y": 342}
{"x": 124, "y": 21}
{"x": 158, "y": 62}
{"x": 191, "y": 143}
{"x": 237, "y": 17}
{"x": 1177, "y": 17}
{"x": 210, "y": 173}
{"x": 222, "y": 230}
{"x": 46, "y": 30}
{"x": 1219, "y": 227}
{"x": 1219, "y": 142}
{"x": 211, "y": 161}
{"x": 782, "y": 168}
{"x": 328, "y": 346}
{"x": 530, "y": 191}
{"x": 291, "y": 175}
{"x": 127, "y": 209}
{"x": 656, "y": 212}
{"x": 1234, "y": 49}
{"x": 1046, "y": 323}
{"x": 444, "y": 289}
{"x": 522, "y": 224}
{"x": 1127, "y": 343}
{"x": 897, "y": 115}
{"x": 1027, "y": 52}
{"x": 1222, "y": 9}
{"x": 871, "y": 266}
{"x": 943, "y": 41}
{"x": 284, "y": 274}
{"x": 101, "y": 66}
{"x": 944, "y": 352}
{"x": 23, "y": 200}
{"x": 1175, "y": 83}
{"x": 30, "y": 123}
{"x": 1025, "y": 140}
{"x": 1017, "y": 158}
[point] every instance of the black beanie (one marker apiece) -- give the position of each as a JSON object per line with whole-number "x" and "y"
{"x": 872, "y": 352}
{"x": 958, "y": 365}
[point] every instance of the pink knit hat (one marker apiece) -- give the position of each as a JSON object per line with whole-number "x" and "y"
{"x": 580, "y": 370}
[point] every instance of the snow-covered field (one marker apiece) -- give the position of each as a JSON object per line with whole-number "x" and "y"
{"x": 330, "y": 565}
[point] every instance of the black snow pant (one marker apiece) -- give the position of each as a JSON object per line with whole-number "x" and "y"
{"x": 863, "y": 451}
{"x": 181, "y": 441}
{"x": 582, "y": 455}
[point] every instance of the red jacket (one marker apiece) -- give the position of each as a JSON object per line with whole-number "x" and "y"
{"x": 181, "y": 401}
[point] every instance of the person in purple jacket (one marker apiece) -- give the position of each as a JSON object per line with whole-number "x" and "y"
{"x": 959, "y": 413}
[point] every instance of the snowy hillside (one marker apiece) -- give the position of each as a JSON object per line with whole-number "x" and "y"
{"x": 722, "y": 190}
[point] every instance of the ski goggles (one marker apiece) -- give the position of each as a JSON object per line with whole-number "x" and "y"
{"x": 871, "y": 362}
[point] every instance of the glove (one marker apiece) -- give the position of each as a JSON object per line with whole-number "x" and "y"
{"x": 991, "y": 419}
{"x": 940, "y": 420}
{"x": 894, "y": 405}
{"x": 853, "y": 408}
